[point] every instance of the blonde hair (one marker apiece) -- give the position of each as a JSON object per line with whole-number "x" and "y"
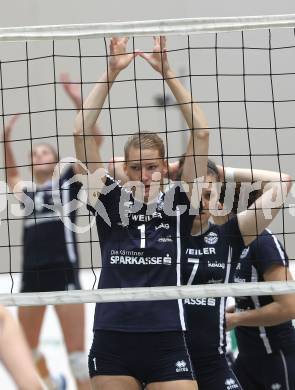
{"x": 145, "y": 140}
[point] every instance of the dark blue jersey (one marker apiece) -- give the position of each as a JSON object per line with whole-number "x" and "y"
{"x": 46, "y": 238}
{"x": 210, "y": 258}
{"x": 140, "y": 247}
{"x": 262, "y": 254}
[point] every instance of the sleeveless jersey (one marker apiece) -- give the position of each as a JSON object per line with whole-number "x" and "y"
{"x": 210, "y": 258}
{"x": 47, "y": 240}
{"x": 140, "y": 247}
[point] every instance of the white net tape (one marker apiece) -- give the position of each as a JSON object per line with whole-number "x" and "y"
{"x": 148, "y": 27}
{"x": 147, "y": 293}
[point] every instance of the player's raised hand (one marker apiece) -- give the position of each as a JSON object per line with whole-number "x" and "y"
{"x": 119, "y": 56}
{"x": 72, "y": 90}
{"x": 158, "y": 58}
{"x": 9, "y": 126}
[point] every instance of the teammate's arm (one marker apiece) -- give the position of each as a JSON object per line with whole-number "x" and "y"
{"x": 281, "y": 310}
{"x": 116, "y": 169}
{"x": 74, "y": 93}
{"x": 15, "y": 354}
{"x": 195, "y": 164}
{"x": 259, "y": 215}
{"x": 13, "y": 177}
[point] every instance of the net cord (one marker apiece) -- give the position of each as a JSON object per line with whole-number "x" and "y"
{"x": 148, "y": 293}
{"x": 147, "y": 27}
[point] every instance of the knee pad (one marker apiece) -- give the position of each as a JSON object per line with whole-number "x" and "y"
{"x": 78, "y": 364}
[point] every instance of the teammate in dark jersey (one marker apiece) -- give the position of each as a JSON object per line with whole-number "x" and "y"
{"x": 48, "y": 267}
{"x": 208, "y": 339}
{"x": 263, "y": 327}
{"x": 211, "y": 256}
{"x": 140, "y": 343}
{"x": 207, "y": 314}
{"x": 50, "y": 258}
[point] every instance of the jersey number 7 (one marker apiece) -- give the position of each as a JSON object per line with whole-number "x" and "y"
{"x": 196, "y": 263}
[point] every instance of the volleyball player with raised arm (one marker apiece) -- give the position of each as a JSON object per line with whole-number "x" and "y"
{"x": 211, "y": 255}
{"x": 50, "y": 257}
{"x": 263, "y": 326}
{"x": 138, "y": 343}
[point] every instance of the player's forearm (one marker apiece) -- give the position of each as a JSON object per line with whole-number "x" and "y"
{"x": 10, "y": 163}
{"x": 87, "y": 117}
{"x": 195, "y": 164}
{"x": 16, "y": 355}
{"x": 269, "y": 315}
{"x": 191, "y": 112}
{"x": 87, "y": 152}
{"x": 116, "y": 169}
{"x": 243, "y": 175}
{"x": 77, "y": 102}
{"x": 97, "y": 135}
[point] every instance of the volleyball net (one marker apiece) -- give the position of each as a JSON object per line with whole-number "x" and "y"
{"x": 241, "y": 72}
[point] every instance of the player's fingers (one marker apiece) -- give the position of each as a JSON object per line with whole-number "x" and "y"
{"x": 64, "y": 77}
{"x": 13, "y": 119}
{"x": 156, "y": 40}
{"x": 163, "y": 42}
{"x": 143, "y": 54}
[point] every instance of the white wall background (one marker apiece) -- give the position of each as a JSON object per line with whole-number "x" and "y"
{"x": 49, "y": 118}
{"x": 34, "y": 12}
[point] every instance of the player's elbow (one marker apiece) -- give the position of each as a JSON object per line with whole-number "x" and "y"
{"x": 291, "y": 310}
{"x": 114, "y": 164}
{"x": 288, "y": 314}
{"x": 80, "y": 127}
{"x": 286, "y": 311}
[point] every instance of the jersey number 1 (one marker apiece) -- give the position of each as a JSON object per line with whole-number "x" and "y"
{"x": 142, "y": 235}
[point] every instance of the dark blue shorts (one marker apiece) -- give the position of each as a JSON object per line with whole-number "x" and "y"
{"x": 148, "y": 357}
{"x": 275, "y": 371}
{"x": 55, "y": 277}
{"x": 214, "y": 373}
